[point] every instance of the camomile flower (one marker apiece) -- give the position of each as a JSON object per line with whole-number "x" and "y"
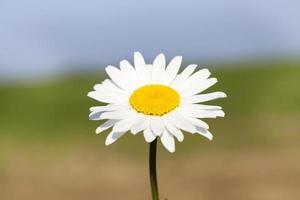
{"x": 156, "y": 100}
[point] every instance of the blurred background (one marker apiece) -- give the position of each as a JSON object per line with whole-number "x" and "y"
{"x": 52, "y": 52}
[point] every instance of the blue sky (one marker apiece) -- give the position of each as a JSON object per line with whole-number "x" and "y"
{"x": 49, "y": 36}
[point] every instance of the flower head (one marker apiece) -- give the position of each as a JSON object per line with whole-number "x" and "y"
{"x": 155, "y": 99}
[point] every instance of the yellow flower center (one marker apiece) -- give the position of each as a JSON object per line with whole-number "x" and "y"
{"x": 154, "y": 99}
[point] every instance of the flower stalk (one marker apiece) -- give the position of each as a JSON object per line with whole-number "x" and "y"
{"x": 152, "y": 168}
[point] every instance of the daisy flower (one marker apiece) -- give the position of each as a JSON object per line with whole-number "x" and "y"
{"x": 156, "y": 100}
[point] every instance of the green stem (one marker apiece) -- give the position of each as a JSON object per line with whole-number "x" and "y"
{"x": 152, "y": 167}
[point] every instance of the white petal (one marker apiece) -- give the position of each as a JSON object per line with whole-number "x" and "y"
{"x": 110, "y": 86}
{"x": 177, "y": 120}
{"x": 194, "y": 110}
{"x": 205, "y": 133}
{"x": 120, "y": 78}
{"x": 141, "y": 69}
{"x": 108, "y": 97}
{"x": 106, "y": 125}
{"x": 219, "y": 113}
{"x": 95, "y": 115}
{"x": 126, "y": 66}
{"x": 119, "y": 114}
{"x": 188, "y": 71}
{"x": 168, "y": 141}
{"x": 98, "y": 110}
{"x": 172, "y": 70}
{"x": 203, "y": 97}
{"x": 140, "y": 125}
{"x": 198, "y": 123}
{"x": 201, "y": 74}
{"x": 147, "y": 76}
{"x": 200, "y": 107}
{"x": 157, "y": 125}
{"x": 159, "y": 65}
{"x": 115, "y": 75}
{"x": 149, "y": 136}
{"x": 109, "y": 107}
{"x": 173, "y": 130}
{"x": 112, "y": 137}
{"x": 181, "y": 78}
{"x": 102, "y": 89}
{"x": 197, "y": 113}
{"x": 138, "y": 60}
{"x": 198, "y": 86}
{"x": 195, "y": 78}
{"x": 129, "y": 74}
{"x": 125, "y": 124}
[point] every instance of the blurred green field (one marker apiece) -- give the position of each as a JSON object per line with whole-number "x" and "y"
{"x": 262, "y": 101}
{"x": 45, "y": 129}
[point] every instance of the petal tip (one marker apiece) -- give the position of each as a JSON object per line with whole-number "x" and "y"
{"x": 214, "y": 80}
{"x": 136, "y": 53}
{"x": 123, "y": 62}
{"x": 171, "y": 151}
{"x": 98, "y": 131}
{"x": 111, "y": 69}
{"x": 108, "y": 141}
{"x": 178, "y": 57}
{"x": 205, "y": 70}
{"x": 138, "y": 56}
{"x": 159, "y": 58}
{"x": 90, "y": 94}
{"x": 210, "y": 137}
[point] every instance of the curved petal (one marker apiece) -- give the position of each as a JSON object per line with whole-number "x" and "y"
{"x": 118, "y": 114}
{"x": 95, "y": 115}
{"x": 177, "y": 120}
{"x": 198, "y": 113}
{"x": 140, "y": 125}
{"x": 201, "y": 107}
{"x": 125, "y": 124}
{"x": 172, "y": 70}
{"x": 181, "y": 78}
{"x": 108, "y": 97}
{"x": 120, "y": 78}
{"x": 157, "y": 125}
{"x": 112, "y": 137}
{"x": 188, "y": 71}
{"x": 142, "y": 70}
{"x": 194, "y": 78}
{"x": 219, "y": 113}
{"x": 173, "y": 130}
{"x": 129, "y": 74}
{"x": 108, "y": 85}
{"x": 205, "y": 133}
{"x": 198, "y": 87}
{"x": 168, "y": 141}
{"x": 198, "y": 123}
{"x": 98, "y": 110}
{"x": 147, "y": 77}
{"x": 203, "y": 97}
{"x": 139, "y": 61}
{"x": 109, "y": 107}
{"x": 159, "y": 66}
{"x": 106, "y": 125}
{"x": 149, "y": 136}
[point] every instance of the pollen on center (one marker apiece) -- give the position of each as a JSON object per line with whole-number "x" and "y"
{"x": 154, "y": 99}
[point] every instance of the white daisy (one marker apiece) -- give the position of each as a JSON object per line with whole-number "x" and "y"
{"x": 156, "y": 100}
